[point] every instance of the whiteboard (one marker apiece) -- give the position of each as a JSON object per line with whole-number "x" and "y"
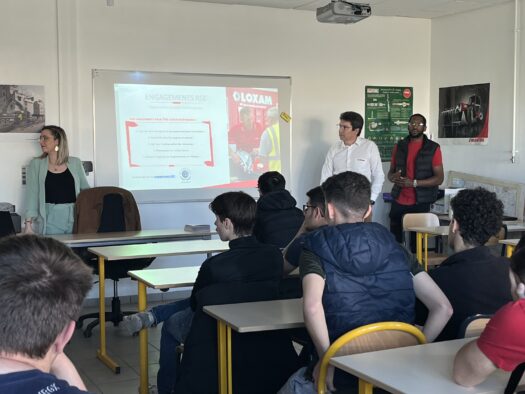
{"x": 173, "y": 137}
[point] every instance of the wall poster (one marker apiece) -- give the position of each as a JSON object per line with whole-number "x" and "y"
{"x": 22, "y": 108}
{"x": 464, "y": 114}
{"x": 387, "y": 109}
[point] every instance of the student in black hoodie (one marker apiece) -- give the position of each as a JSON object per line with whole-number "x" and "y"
{"x": 277, "y": 217}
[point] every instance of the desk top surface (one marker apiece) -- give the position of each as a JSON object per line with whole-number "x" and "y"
{"x": 260, "y": 316}
{"x": 416, "y": 369}
{"x": 124, "y": 252}
{"x": 439, "y": 230}
{"x": 166, "y": 278}
{"x": 512, "y": 242}
{"x": 127, "y": 237}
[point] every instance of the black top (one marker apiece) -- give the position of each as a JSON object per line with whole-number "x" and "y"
{"x": 277, "y": 219}
{"x": 34, "y": 382}
{"x": 60, "y": 188}
{"x": 248, "y": 260}
{"x": 475, "y": 281}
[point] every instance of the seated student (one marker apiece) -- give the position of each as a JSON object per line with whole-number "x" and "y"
{"x": 314, "y": 218}
{"x": 42, "y": 286}
{"x": 277, "y": 217}
{"x": 474, "y": 280}
{"x": 248, "y": 260}
{"x": 502, "y": 343}
{"x": 349, "y": 264}
{"x": 425, "y": 288}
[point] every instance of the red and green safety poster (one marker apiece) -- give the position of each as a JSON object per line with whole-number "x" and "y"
{"x": 387, "y": 109}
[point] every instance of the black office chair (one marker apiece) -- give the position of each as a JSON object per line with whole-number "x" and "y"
{"x": 7, "y": 227}
{"x": 112, "y": 219}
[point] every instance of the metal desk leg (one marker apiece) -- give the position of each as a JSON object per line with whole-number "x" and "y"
{"x": 222, "y": 353}
{"x": 509, "y": 250}
{"x": 419, "y": 247}
{"x": 101, "y": 353}
{"x": 365, "y": 387}
{"x": 229, "y": 354}
{"x": 143, "y": 344}
{"x": 426, "y": 252}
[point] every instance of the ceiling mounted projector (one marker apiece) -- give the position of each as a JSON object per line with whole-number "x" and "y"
{"x": 340, "y": 11}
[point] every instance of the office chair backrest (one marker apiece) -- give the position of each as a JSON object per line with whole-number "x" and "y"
{"x": 6, "y": 224}
{"x": 112, "y": 216}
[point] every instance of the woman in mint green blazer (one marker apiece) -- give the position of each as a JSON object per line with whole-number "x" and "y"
{"x": 53, "y": 182}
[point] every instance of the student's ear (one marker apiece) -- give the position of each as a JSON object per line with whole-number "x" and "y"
{"x": 368, "y": 211}
{"x": 455, "y": 226}
{"x": 330, "y": 210}
{"x": 228, "y": 225}
{"x": 64, "y": 337}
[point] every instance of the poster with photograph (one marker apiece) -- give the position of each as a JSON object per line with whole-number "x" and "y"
{"x": 22, "y": 109}
{"x": 388, "y": 109}
{"x": 464, "y": 114}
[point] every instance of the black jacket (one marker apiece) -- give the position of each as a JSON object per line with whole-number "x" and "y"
{"x": 277, "y": 218}
{"x": 475, "y": 281}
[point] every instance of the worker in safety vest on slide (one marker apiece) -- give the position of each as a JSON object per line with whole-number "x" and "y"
{"x": 270, "y": 146}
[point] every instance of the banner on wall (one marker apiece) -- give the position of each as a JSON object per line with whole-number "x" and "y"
{"x": 22, "y": 108}
{"x": 464, "y": 114}
{"x": 387, "y": 109}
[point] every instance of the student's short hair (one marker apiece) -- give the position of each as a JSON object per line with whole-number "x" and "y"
{"x": 354, "y": 118}
{"x": 42, "y": 286}
{"x": 316, "y": 197}
{"x": 271, "y": 181}
{"x": 349, "y": 192}
{"x": 479, "y": 214}
{"x": 239, "y": 207}
{"x": 422, "y": 117}
{"x": 517, "y": 263}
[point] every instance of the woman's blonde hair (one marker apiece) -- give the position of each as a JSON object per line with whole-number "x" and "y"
{"x": 59, "y": 134}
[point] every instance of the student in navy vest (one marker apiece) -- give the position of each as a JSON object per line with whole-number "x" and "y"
{"x": 349, "y": 264}
{"x": 42, "y": 286}
{"x": 416, "y": 170}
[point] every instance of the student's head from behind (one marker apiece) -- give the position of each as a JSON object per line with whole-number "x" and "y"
{"x": 517, "y": 264}
{"x": 53, "y": 139}
{"x": 234, "y": 214}
{"x": 477, "y": 216}
{"x": 42, "y": 286}
{"x": 271, "y": 181}
{"x": 314, "y": 209}
{"x": 347, "y": 197}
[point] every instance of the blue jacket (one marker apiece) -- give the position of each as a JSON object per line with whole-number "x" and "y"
{"x": 367, "y": 276}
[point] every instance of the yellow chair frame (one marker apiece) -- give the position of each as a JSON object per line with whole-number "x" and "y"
{"x": 364, "y": 387}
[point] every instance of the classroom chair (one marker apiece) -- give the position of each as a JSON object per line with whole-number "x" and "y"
{"x": 108, "y": 209}
{"x": 473, "y": 325}
{"x": 424, "y": 220}
{"x": 369, "y": 338}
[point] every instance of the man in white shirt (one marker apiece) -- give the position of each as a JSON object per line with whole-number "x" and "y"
{"x": 354, "y": 153}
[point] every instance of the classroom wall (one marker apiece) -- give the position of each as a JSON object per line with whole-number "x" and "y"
{"x": 472, "y": 48}
{"x": 329, "y": 66}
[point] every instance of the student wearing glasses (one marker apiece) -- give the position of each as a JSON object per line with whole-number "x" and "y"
{"x": 354, "y": 153}
{"x": 416, "y": 170}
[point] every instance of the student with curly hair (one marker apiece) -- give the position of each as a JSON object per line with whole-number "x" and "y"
{"x": 474, "y": 280}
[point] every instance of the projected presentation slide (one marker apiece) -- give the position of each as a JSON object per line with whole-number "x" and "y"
{"x": 184, "y": 137}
